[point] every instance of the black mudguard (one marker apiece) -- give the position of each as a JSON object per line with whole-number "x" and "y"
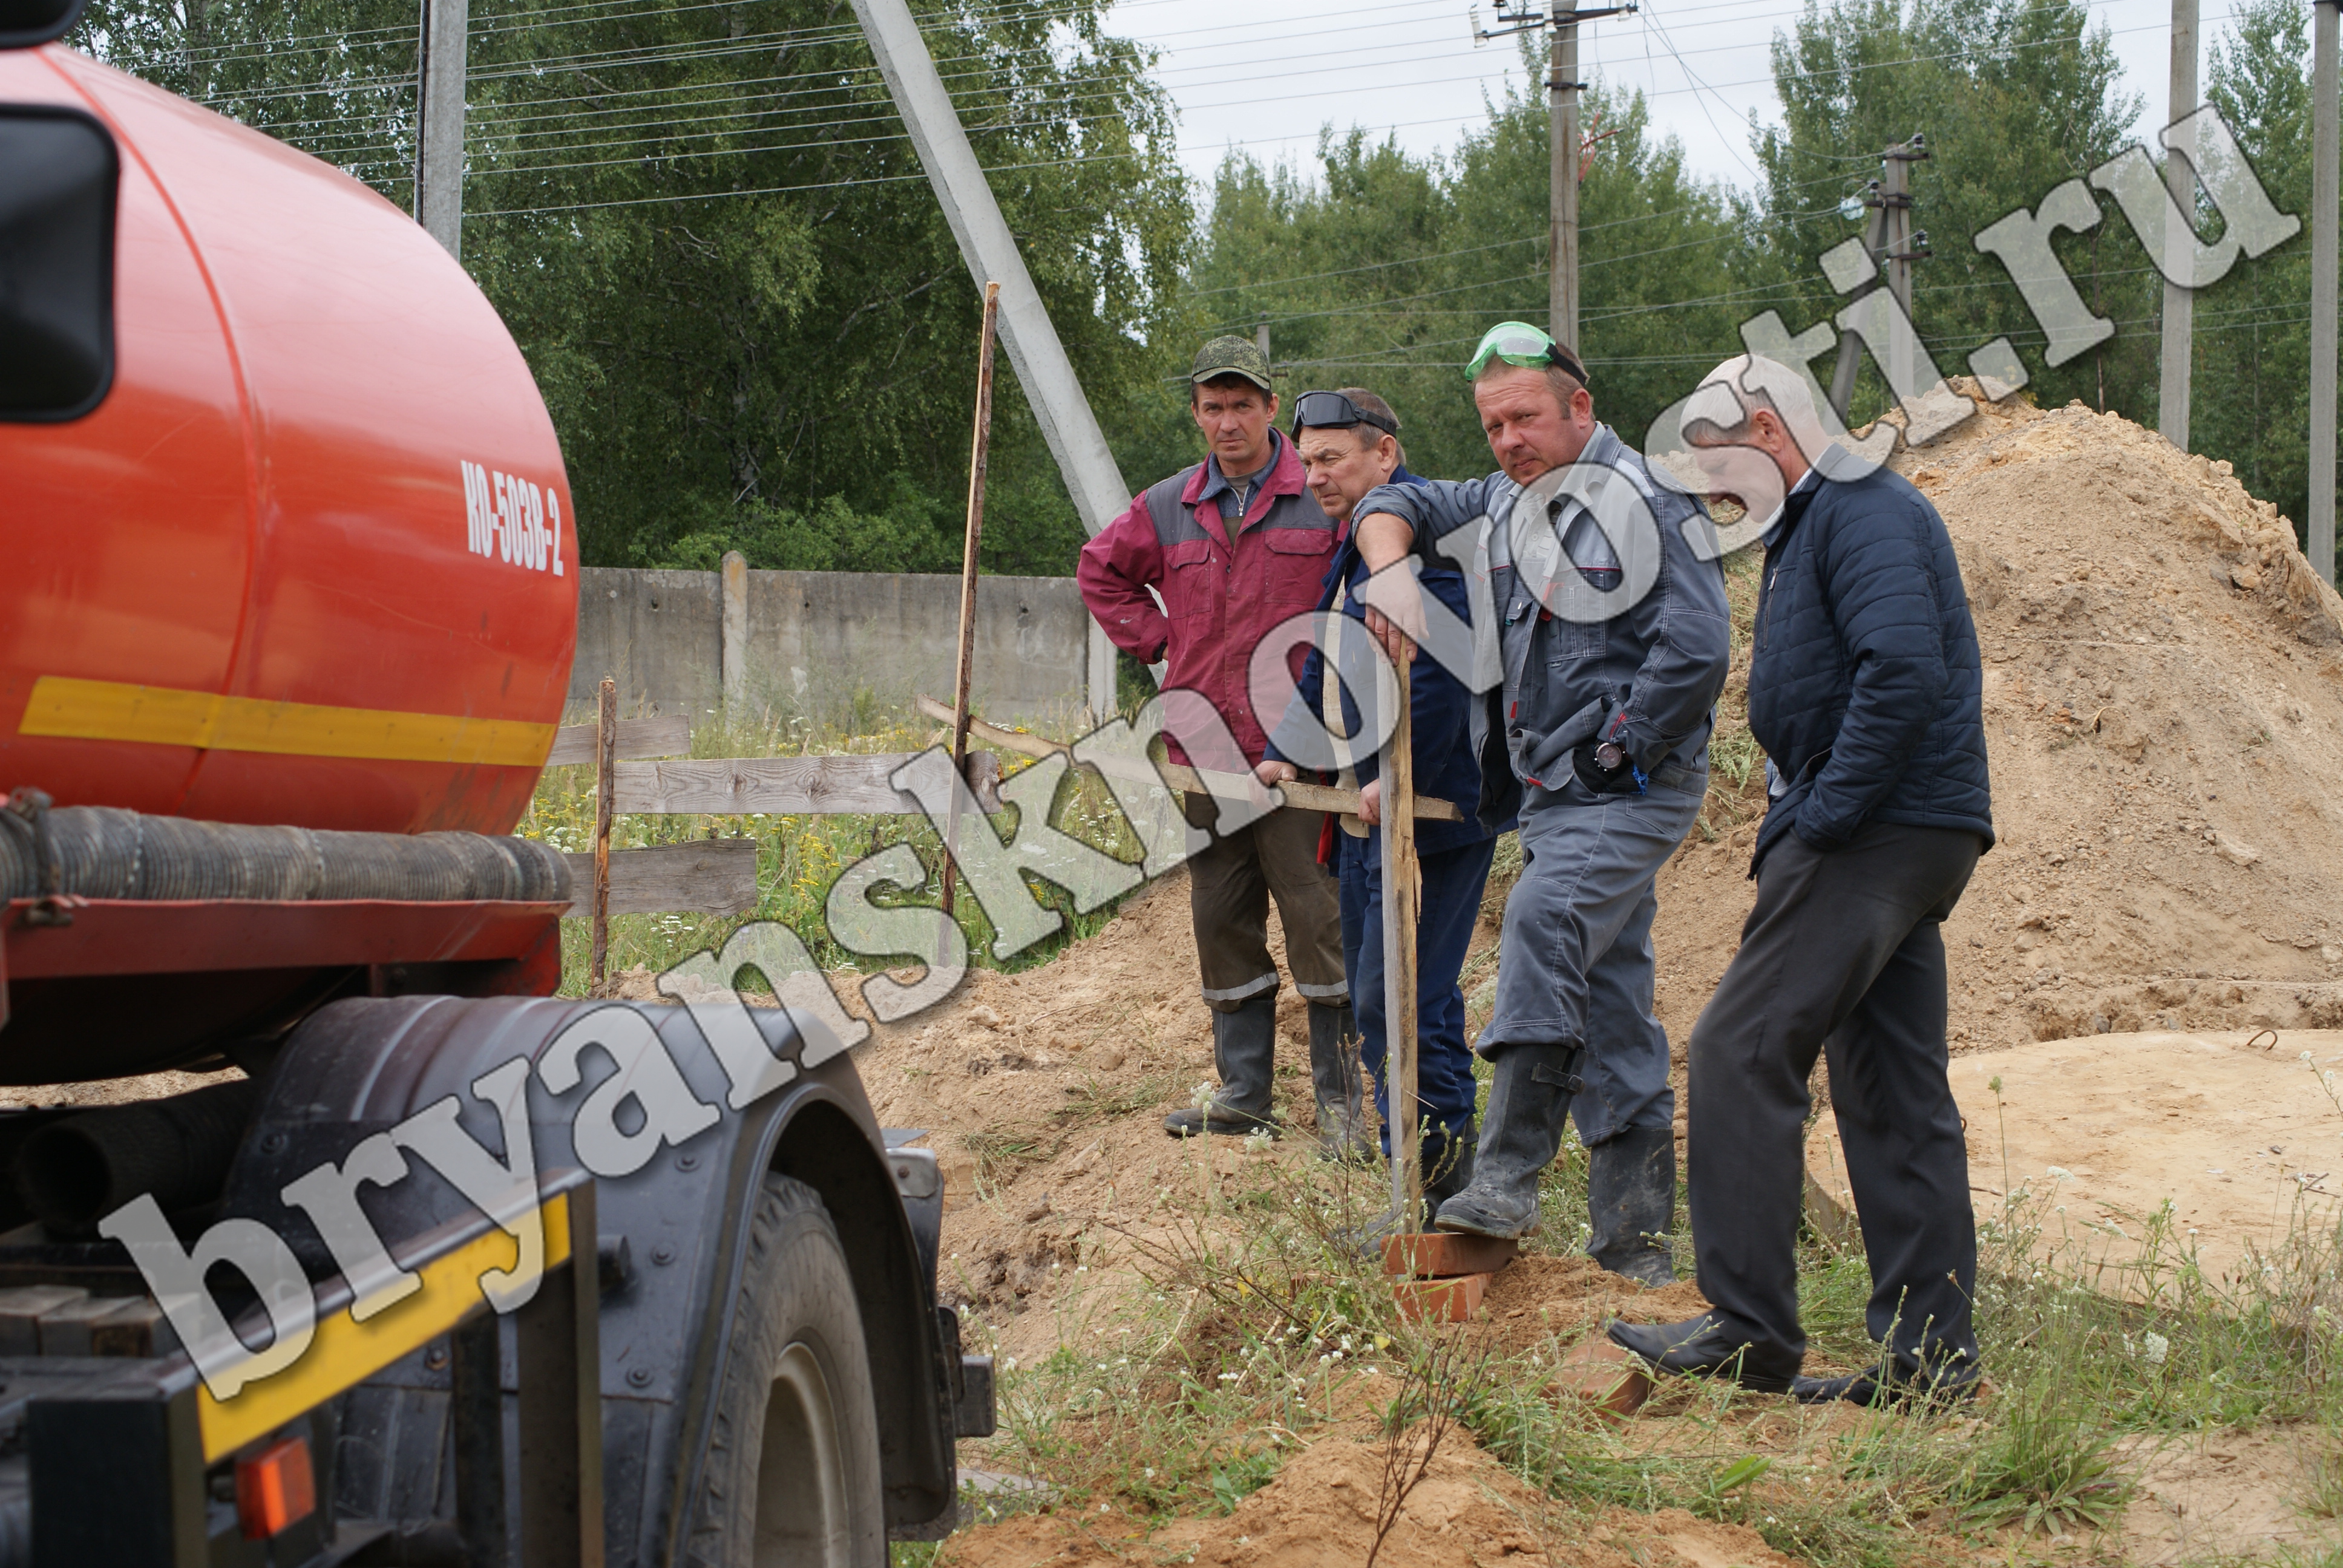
{"x": 673, "y": 1234}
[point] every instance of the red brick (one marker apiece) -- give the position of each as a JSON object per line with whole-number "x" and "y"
{"x": 1599, "y": 1374}
{"x": 1446, "y": 1255}
{"x": 1442, "y": 1301}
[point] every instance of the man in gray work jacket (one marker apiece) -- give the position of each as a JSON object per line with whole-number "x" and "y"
{"x": 1611, "y": 638}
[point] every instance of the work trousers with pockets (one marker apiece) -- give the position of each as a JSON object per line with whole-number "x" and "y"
{"x": 1574, "y": 965}
{"x": 1230, "y": 886}
{"x": 1454, "y": 881}
{"x": 1845, "y": 954}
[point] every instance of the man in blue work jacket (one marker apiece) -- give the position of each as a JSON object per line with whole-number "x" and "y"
{"x": 1611, "y": 638}
{"x": 1349, "y": 445}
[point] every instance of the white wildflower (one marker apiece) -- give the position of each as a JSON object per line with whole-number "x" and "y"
{"x": 2154, "y": 1348}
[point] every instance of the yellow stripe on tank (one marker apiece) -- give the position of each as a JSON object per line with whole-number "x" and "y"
{"x": 165, "y": 716}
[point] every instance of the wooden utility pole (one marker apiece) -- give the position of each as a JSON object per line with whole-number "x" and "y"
{"x": 1260, "y": 338}
{"x": 2327, "y": 16}
{"x": 439, "y": 132}
{"x": 2179, "y": 230}
{"x": 964, "y": 670}
{"x": 1402, "y": 905}
{"x": 606, "y": 783}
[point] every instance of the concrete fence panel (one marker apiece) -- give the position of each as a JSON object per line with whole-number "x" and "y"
{"x": 812, "y": 642}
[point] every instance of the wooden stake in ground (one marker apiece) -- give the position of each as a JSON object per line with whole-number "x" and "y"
{"x": 1402, "y": 899}
{"x": 964, "y": 673}
{"x": 606, "y": 758}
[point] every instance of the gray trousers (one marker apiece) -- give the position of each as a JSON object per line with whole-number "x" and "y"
{"x": 1574, "y": 967}
{"x": 1843, "y": 953}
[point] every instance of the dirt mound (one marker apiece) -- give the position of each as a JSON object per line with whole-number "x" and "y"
{"x": 1322, "y": 1509}
{"x": 1537, "y": 1301}
{"x": 2164, "y": 699}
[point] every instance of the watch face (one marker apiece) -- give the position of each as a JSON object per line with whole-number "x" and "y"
{"x": 1609, "y": 755}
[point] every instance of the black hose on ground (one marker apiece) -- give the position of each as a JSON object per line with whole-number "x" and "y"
{"x": 74, "y": 1172}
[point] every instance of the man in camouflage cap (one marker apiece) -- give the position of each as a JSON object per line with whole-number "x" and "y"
{"x": 1235, "y": 545}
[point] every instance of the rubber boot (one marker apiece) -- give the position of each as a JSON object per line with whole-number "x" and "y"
{"x": 1529, "y": 1098}
{"x": 1631, "y": 1198}
{"x": 1244, "y": 1050}
{"x": 1447, "y": 1165}
{"x": 1339, "y": 1084}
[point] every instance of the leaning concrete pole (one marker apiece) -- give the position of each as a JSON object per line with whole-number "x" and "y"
{"x": 1051, "y": 387}
{"x": 439, "y": 138}
{"x": 2180, "y": 231}
{"x": 2327, "y": 16}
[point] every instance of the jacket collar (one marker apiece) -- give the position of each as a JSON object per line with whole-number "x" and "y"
{"x": 1284, "y": 479}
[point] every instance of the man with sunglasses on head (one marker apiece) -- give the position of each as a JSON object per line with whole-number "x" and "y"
{"x": 1235, "y": 545}
{"x": 1348, "y": 442}
{"x": 1613, "y": 641}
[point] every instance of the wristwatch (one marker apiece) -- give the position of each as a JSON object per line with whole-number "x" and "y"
{"x": 1610, "y": 755}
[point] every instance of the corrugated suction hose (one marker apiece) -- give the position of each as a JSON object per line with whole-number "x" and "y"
{"x": 73, "y": 1173}
{"x": 104, "y": 852}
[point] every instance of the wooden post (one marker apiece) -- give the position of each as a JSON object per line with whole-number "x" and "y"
{"x": 606, "y": 762}
{"x": 1402, "y": 902}
{"x": 964, "y": 673}
{"x": 2326, "y": 17}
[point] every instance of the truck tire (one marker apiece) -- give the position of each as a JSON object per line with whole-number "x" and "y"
{"x": 791, "y": 1477}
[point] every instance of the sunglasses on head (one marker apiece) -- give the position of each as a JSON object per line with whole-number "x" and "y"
{"x": 1518, "y": 343}
{"x": 1331, "y": 410}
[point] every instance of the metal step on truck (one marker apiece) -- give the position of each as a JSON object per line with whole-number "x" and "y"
{"x": 447, "y": 1271}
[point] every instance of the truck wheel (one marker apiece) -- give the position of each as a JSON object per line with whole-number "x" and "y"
{"x": 791, "y": 1478}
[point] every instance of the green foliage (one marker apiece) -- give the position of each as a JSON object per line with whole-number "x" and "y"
{"x": 2251, "y": 400}
{"x": 2015, "y": 97}
{"x": 1380, "y": 269}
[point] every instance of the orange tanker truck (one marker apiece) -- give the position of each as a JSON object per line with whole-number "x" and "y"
{"x": 452, "y": 1271}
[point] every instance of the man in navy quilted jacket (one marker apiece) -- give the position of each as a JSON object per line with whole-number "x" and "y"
{"x": 1864, "y": 691}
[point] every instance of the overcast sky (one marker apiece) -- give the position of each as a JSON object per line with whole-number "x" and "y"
{"x": 1268, "y": 81}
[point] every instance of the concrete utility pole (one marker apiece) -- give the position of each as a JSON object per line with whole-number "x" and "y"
{"x": 1889, "y": 238}
{"x": 2326, "y": 17}
{"x": 1051, "y": 387}
{"x": 439, "y": 132}
{"x": 2180, "y": 230}
{"x": 1562, "y": 86}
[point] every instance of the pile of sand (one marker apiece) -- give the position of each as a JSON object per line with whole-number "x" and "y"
{"x": 2164, "y": 707}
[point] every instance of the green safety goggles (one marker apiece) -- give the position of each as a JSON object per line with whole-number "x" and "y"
{"x": 1519, "y": 343}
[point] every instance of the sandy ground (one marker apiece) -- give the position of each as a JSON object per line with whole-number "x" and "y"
{"x": 2237, "y": 1132}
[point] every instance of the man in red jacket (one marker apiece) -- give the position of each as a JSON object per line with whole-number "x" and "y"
{"x": 1234, "y": 546}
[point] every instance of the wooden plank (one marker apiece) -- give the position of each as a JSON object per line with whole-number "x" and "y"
{"x": 701, "y": 877}
{"x": 638, "y": 739}
{"x": 1309, "y": 796}
{"x": 786, "y": 785}
{"x": 1403, "y": 909}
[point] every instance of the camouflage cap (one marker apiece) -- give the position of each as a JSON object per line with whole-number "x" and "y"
{"x": 1232, "y": 357}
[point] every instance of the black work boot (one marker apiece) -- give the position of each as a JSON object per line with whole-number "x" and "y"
{"x": 1529, "y": 1098}
{"x": 1339, "y": 1084}
{"x": 1631, "y": 1198}
{"x": 1244, "y": 1050}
